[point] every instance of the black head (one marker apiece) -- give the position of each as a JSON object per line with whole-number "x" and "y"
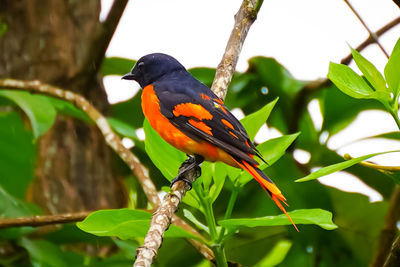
{"x": 151, "y": 67}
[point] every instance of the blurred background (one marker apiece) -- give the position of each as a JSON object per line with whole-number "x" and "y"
{"x": 53, "y": 159}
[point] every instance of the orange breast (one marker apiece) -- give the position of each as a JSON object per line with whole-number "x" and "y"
{"x": 176, "y": 138}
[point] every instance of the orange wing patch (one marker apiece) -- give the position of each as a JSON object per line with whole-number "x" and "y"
{"x": 201, "y": 126}
{"x": 218, "y": 103}
{"x": 227, "y": 123}
{"x": 234, "y": 135}
{"x": 192, "y": 110}
{"x": 206, "y": 97}
{"x": 247, "y": 143}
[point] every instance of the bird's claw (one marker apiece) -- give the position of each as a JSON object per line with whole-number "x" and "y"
{"x": 181, "y": 178}
{"x": 189, "y": 164}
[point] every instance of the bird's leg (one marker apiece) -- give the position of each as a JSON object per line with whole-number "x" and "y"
{"x": 192, "y": 163}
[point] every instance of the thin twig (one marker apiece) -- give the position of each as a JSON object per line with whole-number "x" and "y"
{"x": 314, "y": 86}
{"x": 371, "y": 40}
{"x": 138, "y": 169}
{"x": 41, "y": 220}
{"x": 162, "y": 217}
{"x": 371, "y": 34}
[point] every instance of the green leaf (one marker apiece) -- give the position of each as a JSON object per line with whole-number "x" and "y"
{"x": 275, "y": 76}
{"x": 127, "y": 246}
{"x": 219, "y": 174}
{"x": 348, "y": 81}
{"x": 373, "y": 76}
{"x": 276, "y": 255}
{"x": 40, "y": 111}
{"x": 11, "y": 207}
{"x": 122, "y": 128}
{"x": 213, "y": 178}
{"x": 129, "y": 111}
{"x": 253, "y": 122}
{"x": 68, "y": 109}
{"x": 339, "y": 110}
{"x": 204, "y": 75}
{"x": 166, "y": 158}
{"x": 389, "y": 135}
{"x": 3, "y": 28}
{"x": 271, "y": 150}
{"x": 17, "y": 154}
{"x": 125, "y": 224}
{"x": 339, "y": 166}
{"x": 206, "y": 175}
{"x": 117, "y": 66}
{"x": 319, "y": 217}
{"x": 233, "y": 172}
{"x": 47, "y": 254}
{"x": 392, "y": 70}
{"x": 194, "y": 220}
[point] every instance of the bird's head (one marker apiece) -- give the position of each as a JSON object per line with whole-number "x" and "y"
{"x": 151, "y": 67}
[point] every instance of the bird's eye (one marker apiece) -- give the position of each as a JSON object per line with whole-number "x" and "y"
{"x": 141, "y": 65}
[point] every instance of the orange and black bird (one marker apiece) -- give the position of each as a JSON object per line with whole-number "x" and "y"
{"x": 190, "y": 117}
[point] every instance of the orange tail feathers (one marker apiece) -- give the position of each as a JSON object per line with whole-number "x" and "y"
{"x": 268, "y": 186}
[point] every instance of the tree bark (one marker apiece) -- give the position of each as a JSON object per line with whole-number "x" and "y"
{"x": 49, "y": 40}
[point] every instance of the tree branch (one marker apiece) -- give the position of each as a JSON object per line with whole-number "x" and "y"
{"x": 371, "y": 40}
{"x": 388, "y": 232}
{"x": 397, "y": 2}
{"x": 162, "y": 219}
{"x": 98, "y": 44}
{"x": 43, "y": 220}
{"x": 140, "y": 171}
{"x": 371, "y": 34}
{"x": 244, "y": 18}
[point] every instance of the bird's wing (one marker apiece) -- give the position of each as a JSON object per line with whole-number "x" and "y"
{"x": 203, "y": 116}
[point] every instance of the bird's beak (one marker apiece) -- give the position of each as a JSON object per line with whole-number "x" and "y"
{"x": 128, "y": 76}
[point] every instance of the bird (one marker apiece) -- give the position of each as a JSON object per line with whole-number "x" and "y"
{"x": 190, "y": 117}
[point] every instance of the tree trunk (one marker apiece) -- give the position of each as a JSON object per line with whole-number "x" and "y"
{"x": 50, "y": 40}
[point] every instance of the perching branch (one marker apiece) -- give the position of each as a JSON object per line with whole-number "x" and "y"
{"x": 244, "y": 18}
{"x": 43, "y": 220}
{"x": 162, "y": 219}
{"x": 140, "y": 171}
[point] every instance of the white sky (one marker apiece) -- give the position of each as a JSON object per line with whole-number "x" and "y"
{"x": 304, "y": 36}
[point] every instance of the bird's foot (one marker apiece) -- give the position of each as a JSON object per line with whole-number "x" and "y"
{"x": 192, "y": 163}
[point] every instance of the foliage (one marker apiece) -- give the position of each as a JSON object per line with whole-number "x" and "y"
{"x": 230, "y": 210}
